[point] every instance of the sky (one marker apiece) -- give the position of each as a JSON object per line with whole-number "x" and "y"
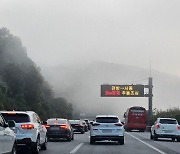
{"x": 129, "y": 32}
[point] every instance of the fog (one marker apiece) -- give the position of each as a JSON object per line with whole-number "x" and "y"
{"x": 81, "y": 86}
{"x": 79, "y": 32}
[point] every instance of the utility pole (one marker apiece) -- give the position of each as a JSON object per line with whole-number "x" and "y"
{"x": 150, "y": 100}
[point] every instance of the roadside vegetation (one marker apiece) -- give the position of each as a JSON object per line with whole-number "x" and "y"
{"x": 169, "y": 113}
{"x": 22, "y": 87}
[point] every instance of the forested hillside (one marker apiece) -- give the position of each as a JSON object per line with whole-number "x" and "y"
{"x": 22, "y": 87}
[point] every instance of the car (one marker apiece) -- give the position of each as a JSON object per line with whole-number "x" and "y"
{"x": 85, "y": 126}
{"x": 165, "y": 128}
{"x": 7, "y": 137}
{"x": 29, "y": 130}
{"x": 107, "y": 127}
{"x": 78, "y": 126}
{"x": 91, "y": 122}
{"x": 88, "y": 123}
{"x": 59, "y": 128}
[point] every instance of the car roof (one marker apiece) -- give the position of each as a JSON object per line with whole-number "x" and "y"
{"x": 56, "y": 119}
{"x": 113, "y": 116}
{"x": 74, "y": 120}
{"x": 20, "y": 112}
{"x": 167, "y": 118}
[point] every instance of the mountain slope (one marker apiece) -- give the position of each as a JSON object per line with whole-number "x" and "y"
{"x": 80, "y": 84}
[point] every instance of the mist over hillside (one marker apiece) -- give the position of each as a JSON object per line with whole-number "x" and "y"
{"x": 80, "y": 84}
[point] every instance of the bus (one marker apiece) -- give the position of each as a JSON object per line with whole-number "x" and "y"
{"x": 135, "y": 119}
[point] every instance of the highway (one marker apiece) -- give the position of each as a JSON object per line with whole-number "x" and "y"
{"x": 135, "y": 143}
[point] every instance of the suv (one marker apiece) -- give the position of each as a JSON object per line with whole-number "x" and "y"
{"x": 29, "y": 130}
{"x": 107, "y": 127}
{"x": 85, "y": 126}
{"x": 7, "y": 137}
{"x": 165, "y": 128}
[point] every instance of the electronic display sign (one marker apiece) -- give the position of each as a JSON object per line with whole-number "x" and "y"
{"x": 122, "y": 90}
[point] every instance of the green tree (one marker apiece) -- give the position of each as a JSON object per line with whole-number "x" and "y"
{"x": 26, "y": 87}
{"x": 169, "y": 113}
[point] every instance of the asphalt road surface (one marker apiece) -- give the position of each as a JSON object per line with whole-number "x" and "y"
{"x": 135, "y": 143}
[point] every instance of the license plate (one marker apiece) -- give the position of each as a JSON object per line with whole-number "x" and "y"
{"x": 54, "y": 128}
{"x": 168, "y": 131}
{"x": 107, "y": 131}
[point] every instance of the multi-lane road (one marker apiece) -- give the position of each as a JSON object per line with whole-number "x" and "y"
{"x": 135, "y": 143}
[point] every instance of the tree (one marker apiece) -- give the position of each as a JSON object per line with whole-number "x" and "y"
{"x": 26, "y": 87}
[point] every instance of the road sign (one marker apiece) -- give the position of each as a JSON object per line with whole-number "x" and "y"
{"x": 122, "y": 90}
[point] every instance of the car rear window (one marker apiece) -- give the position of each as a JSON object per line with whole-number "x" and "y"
{"x": 74, "y": 121}
{"x": 17, "y": 117}
{"x": 56, "y": 122}
{"x": 167, "y": 121}
{"x": 107, "y": 120}
{"x": 87, "y": 121}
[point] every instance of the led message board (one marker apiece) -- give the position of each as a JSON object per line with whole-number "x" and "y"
{"x": 122, "y": 90}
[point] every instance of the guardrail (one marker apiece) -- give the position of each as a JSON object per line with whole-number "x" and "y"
{"x": 148, "y": 128}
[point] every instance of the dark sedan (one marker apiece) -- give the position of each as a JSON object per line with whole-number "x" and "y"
{"x": 59, "y": 128}
{"x": 78, "y": 126}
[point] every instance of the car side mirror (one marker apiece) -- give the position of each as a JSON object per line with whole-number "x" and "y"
{"x": 122, "y": 123}
{"x": 11, "y": 123}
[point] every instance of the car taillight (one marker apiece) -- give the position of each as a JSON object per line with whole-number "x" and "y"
{"x": 64, "y": 126}
{"x": 27, "y": 126}
{"x": 157, "y": 126}
{"x": 47, "y": 126}
{"x": 95, "y": 124}
{"x": 119, "y": 124}
{"x": 178, "y": 127}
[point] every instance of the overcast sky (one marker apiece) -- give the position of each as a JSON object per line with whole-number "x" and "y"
{"x": 131, "y": 32}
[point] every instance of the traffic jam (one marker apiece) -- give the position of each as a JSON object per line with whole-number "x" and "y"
{"x": 23, "y": 130}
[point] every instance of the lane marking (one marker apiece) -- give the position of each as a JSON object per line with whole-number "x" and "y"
{"x": 161, "y": 152}
{"x": 76, "y": 148}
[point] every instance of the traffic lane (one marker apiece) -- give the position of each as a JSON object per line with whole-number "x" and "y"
{"x": 131, "y": 146}
{"x": 166, "y": 145}
{"x": 81, "y": 145}
{"x": 64, "y": 147}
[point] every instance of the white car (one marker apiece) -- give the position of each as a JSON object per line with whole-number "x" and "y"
{"x": 165, "y": 128}
{"x": 107, "y": 127}
{"x": 30, "y": 132}
{"x": 7, "y": 137}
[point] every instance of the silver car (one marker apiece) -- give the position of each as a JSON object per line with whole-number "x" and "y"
{"x": 30, "y": 132}
{"x": 7, "y": 137}
{"x": 107, "y": 127}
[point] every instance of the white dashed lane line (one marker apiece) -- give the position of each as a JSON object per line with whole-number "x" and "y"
{"x": 161, "y": 152}
{"x": 76, "y": 148}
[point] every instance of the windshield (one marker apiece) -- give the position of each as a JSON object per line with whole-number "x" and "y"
{"x": 107, "y": 120}
{"x": 167, "y": 121}
{"x": 18, "y": 117}
{"x": 56, "y": 122}
{"x": 74, "y": 121}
